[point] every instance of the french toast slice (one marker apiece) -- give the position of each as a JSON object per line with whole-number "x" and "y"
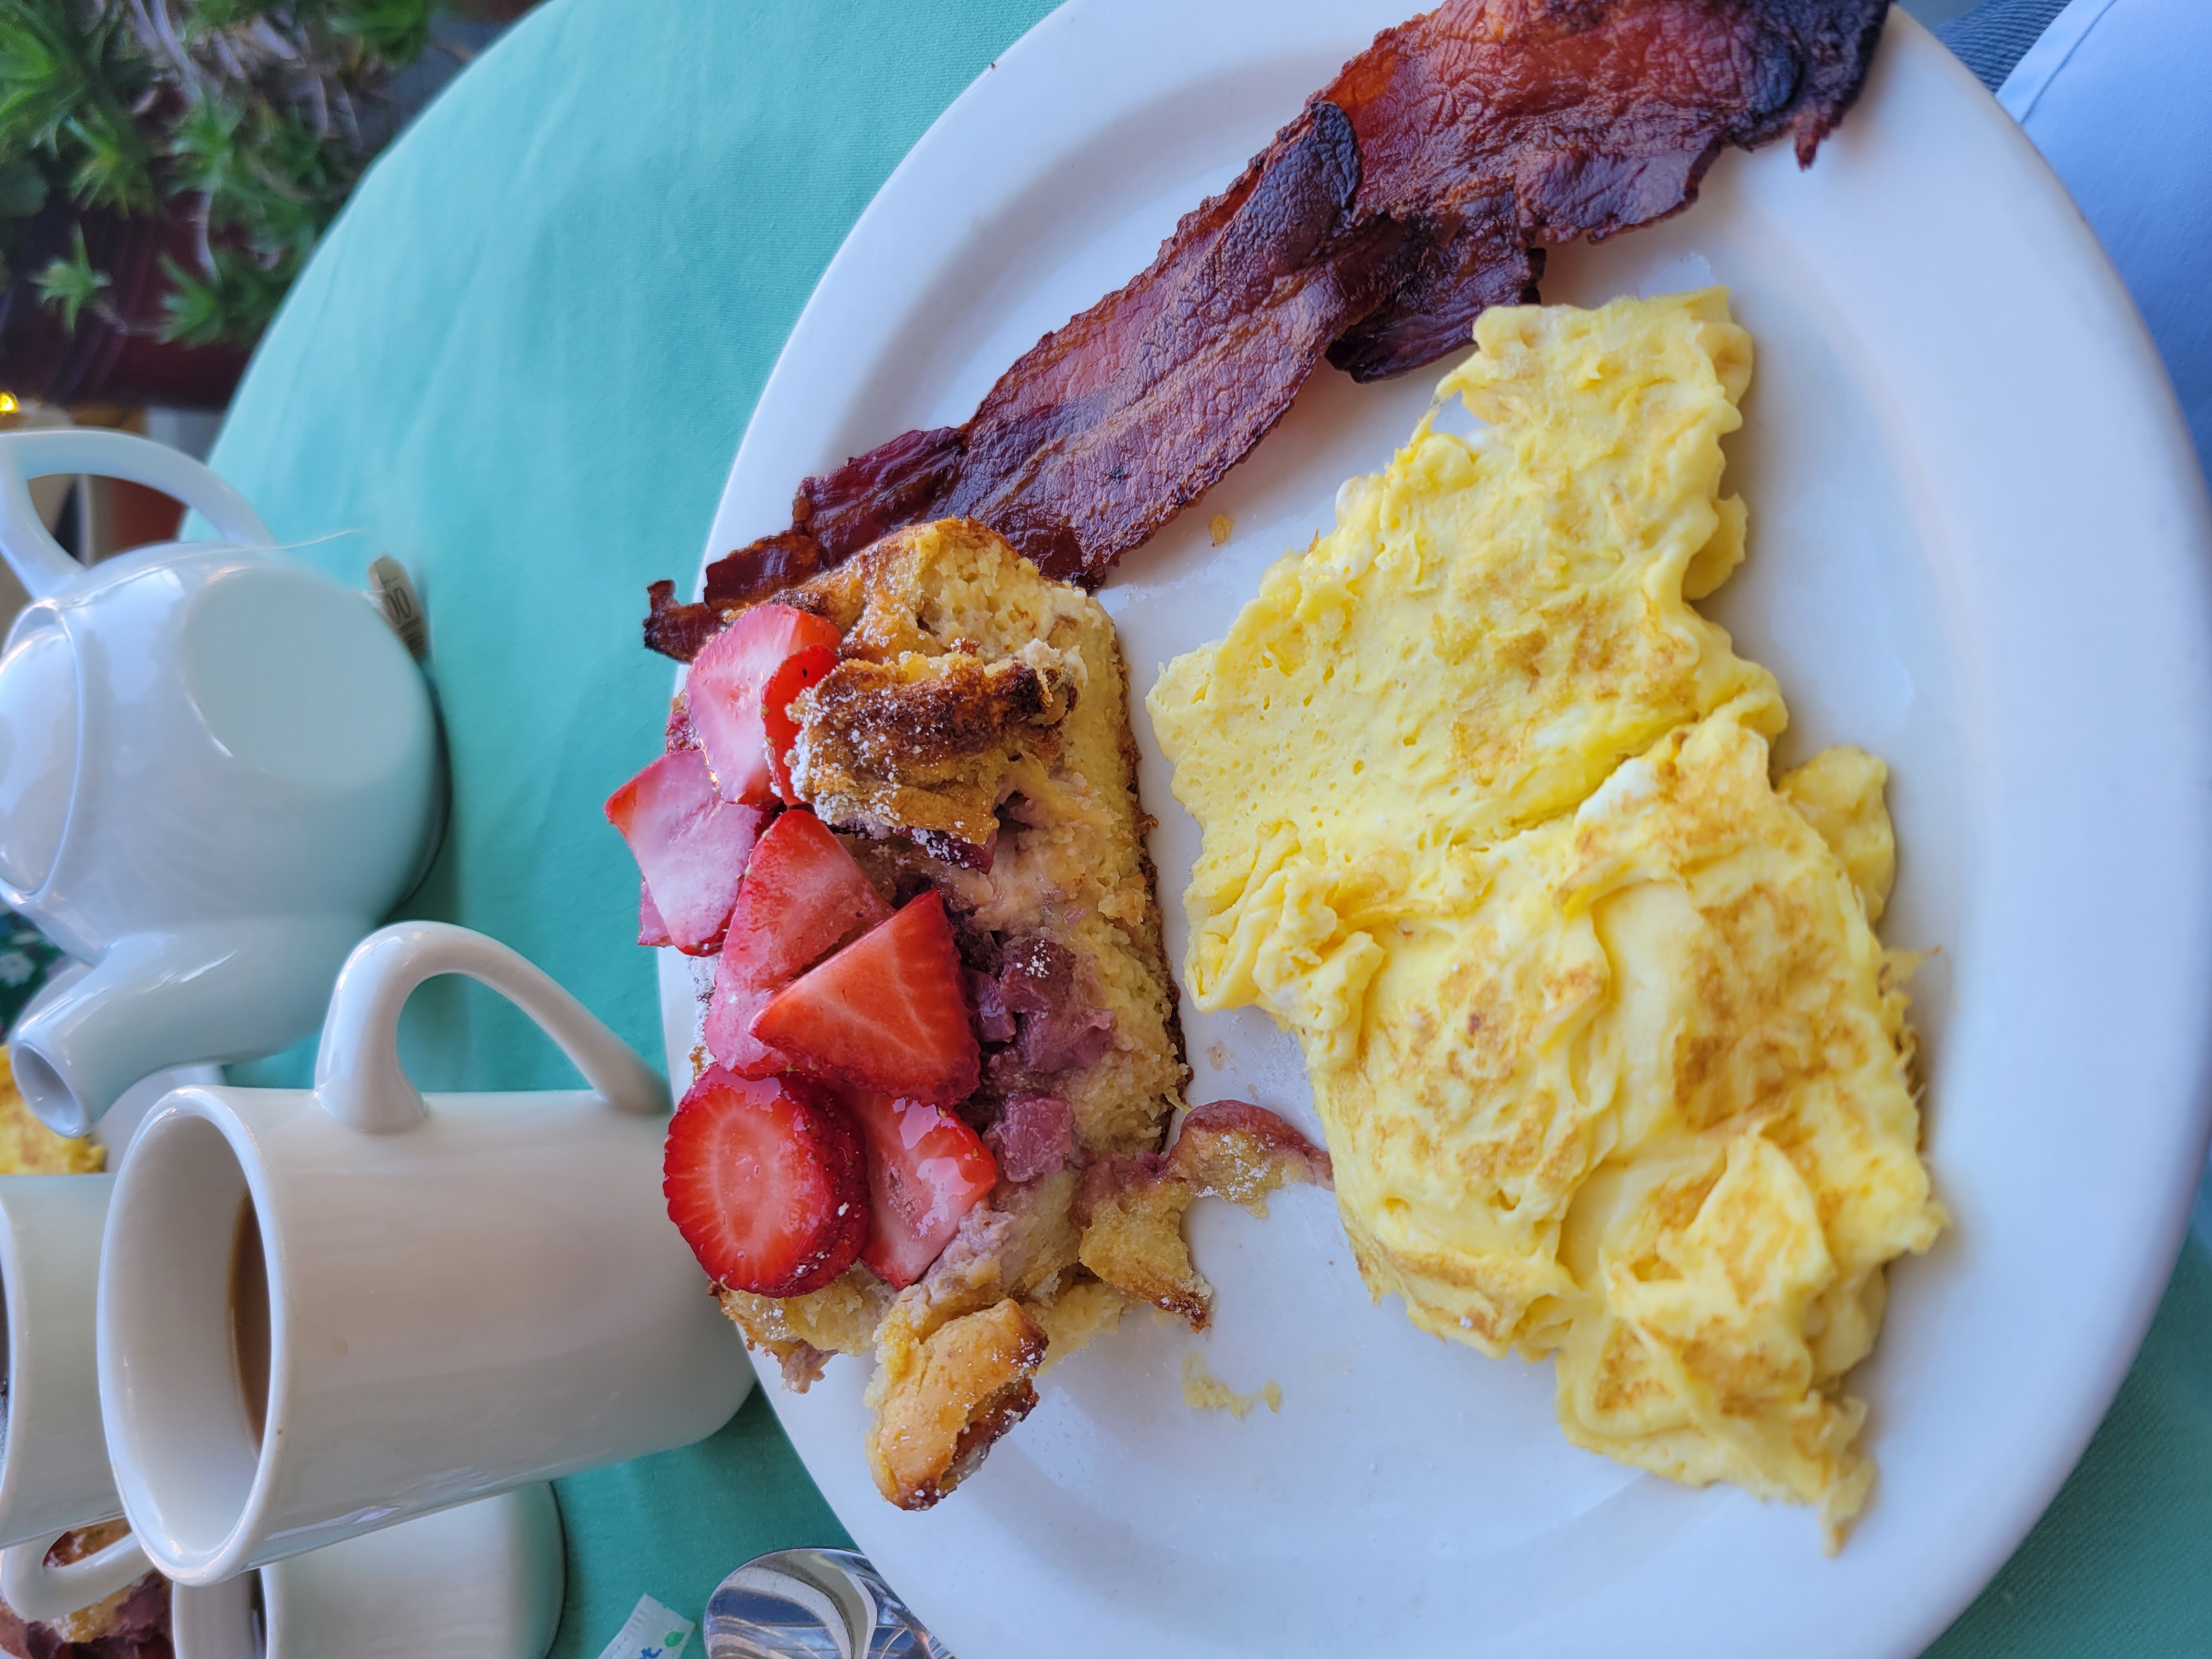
{"x": 974, "y": 739}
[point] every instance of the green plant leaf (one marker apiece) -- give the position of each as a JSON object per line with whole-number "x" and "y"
{"x": 204, "y": 144}
{"x": 22, "y": 189}
{"x": 112, "y": 166}
{"x": 234, "y": 304}
{"x": 41, "y": 80}
{"x": 70, "y": 283}
{"x": 211, "y": 14}
{"x": 396, "y": 30}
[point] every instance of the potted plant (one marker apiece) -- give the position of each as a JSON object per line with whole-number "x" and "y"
{"x": 166, "y": 167}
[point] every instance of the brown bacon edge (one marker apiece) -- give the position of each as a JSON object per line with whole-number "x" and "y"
{"x": 1419, "y": 186}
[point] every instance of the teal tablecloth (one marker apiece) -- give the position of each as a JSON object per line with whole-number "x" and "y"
{"x": 521, "y": 363}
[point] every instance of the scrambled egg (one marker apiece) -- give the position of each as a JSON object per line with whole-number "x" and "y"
{"x": 1611, "y": 1063}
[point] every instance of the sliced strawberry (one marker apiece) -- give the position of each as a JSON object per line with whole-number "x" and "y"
{"x": 651, "y": 929}
{"x": 782, "y": 690}
{"x": 738, "y": 999}
{"x": 803, "y": 895}
{"x": 767, "y": 1182}
{"x": 925, "y": 1170}
{"x": 888, "y": 1012}
{"x": 739, "y": 691}
{"x": 690, "y": 845}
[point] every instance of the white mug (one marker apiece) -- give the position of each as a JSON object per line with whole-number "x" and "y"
{"x": 219, "y": 767}
{"x": 481, "y": 1581}
{"x": 54, "y": 1474}
{"x": 447, "y": 1300}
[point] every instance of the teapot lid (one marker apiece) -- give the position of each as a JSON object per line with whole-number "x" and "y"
{"x": 37, "y": 753}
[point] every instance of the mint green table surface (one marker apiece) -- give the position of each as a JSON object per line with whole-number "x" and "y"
{"x": 521, "y": 363}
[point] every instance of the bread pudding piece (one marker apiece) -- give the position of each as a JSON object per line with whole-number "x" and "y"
{"x": 924, "y": 760}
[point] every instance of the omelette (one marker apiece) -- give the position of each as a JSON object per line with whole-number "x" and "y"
{"x": 1612, "y": 1064}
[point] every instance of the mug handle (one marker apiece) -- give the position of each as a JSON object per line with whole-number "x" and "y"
{"x": 38, "y": 561}
{"x": 358, "y": 1077}
{"x": 43, "y": 1594}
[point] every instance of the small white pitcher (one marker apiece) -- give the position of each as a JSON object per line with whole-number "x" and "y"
{"x": 447, "y": 1300}
{"x": 54, "y": 1474}
{"x": 219, "y": 768}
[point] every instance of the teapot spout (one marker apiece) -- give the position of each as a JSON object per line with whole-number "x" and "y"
{"x": 228, "y": 991}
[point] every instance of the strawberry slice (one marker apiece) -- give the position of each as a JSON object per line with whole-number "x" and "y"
{"x": 651, "y": 929}
{"x": 739, "y": 691}
{"x": 803, "y": 895}
{"x": 738, "y": 998}
{"x": 690, "y": 846}
{"x": 888, "y": 1012}
{"x": 925, "y": 1170}
{"x": 767, "y": 1182}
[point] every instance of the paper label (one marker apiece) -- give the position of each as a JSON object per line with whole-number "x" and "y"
{"x": 651, "y": 1632}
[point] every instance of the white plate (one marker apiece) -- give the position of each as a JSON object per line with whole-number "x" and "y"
{"x": 1980, "y": 548}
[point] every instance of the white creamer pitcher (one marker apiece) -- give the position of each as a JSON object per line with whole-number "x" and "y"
{"x": 219, "y": 769}
{"x": 325, "y": 1311}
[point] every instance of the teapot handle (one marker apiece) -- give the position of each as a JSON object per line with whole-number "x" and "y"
{"x": 358, "y": 1077}
{"x": 38, "y": 560}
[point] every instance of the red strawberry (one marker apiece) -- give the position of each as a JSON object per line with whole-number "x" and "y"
{"x": 767, "y": 1182}
{"x": 925, "y": 1170}
{"x": 737, "y": 998}
{"x": 651, "y": 929}
{"x": 888, "y": 1012}
{"x": 802, "y": 897}
{"x": 739, "y": 691}
{"x": 690, "y": 845}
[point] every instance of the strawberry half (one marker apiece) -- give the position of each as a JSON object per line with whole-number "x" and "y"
{"x": 803, "y": 895}
{"x": 690, "y": 846}
{"x": 927, "y": 1169}
{"x": 767, "y": 1182}
{"x": 738, "y": 695}
{"x": 888, "y": 1012}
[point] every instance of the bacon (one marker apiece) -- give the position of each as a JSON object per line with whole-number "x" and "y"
{"x": 1508, "y": 125}
{"x": 1420, "y": 186}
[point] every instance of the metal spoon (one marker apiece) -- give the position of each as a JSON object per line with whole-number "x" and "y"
{"x": 813, "y": 1604}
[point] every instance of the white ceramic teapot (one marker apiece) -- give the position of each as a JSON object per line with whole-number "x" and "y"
{"x": 219, "y": 768}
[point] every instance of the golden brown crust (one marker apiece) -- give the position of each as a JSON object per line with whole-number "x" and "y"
{"x": 1134, "y": 1242}
{"x": 926, "y": 745}
{"x": 1226, "y": 1149}
{"x": 942, "y": 1401}
{"x": 1229, "y": 1149}
{"x": 839, "y": 1318}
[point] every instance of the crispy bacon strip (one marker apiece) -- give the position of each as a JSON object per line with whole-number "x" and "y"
{"x": 1420, "y": 186}
{"x": 1508, "y": 125}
